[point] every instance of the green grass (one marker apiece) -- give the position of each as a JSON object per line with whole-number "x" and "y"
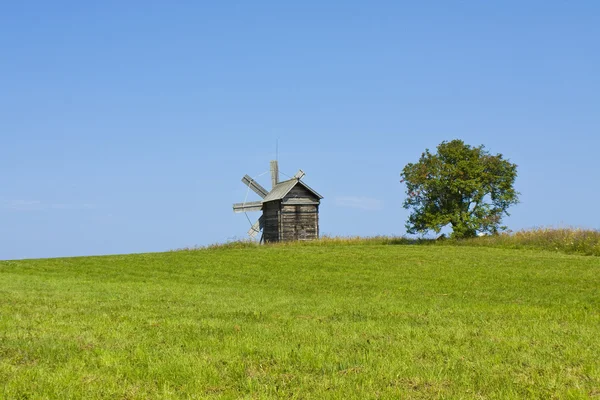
{"x": 563, "y": 240}
{"x": 325, "y": 320}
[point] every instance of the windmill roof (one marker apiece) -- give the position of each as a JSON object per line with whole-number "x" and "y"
{"x": 283, "y": 188}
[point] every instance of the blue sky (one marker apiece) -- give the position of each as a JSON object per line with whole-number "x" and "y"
{"x": 126, "y": 126}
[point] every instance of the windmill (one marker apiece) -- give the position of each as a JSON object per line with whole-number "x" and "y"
{"x": 290, "y": 210}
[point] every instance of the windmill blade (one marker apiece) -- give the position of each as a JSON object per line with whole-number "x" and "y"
{"x": 256, "y": 228}
{"x": 255, "y": 186}
{"x": 247, "y": 206}
{"x": 299, "y": 174}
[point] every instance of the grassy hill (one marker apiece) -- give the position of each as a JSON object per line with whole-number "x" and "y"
{"x": 324, "y": 321}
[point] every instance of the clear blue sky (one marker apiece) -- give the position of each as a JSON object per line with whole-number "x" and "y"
{"x": 126, "y": 126}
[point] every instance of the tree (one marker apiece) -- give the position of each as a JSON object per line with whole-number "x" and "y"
{"x": 462, "y": 186}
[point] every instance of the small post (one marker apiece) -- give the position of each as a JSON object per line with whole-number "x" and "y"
{"x": 274, "y": 173}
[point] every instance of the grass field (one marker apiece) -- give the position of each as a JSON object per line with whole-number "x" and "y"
{"x": 322, "y": 321}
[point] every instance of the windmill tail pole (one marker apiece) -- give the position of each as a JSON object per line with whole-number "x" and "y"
{"x": 274, "y": 173}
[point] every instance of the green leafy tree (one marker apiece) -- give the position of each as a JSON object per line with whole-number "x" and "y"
{"x": 462, "y": 186}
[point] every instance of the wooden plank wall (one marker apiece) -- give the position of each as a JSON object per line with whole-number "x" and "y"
{"x": 271, "y": 221}
{"x": 299, "y": 222}
{"x": 295, "y": 217}
{"x": 299, "y": 191}
{"x": 299, "y": 215}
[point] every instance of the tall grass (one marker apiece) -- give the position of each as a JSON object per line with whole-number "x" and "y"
{"x": 564, "y": 240}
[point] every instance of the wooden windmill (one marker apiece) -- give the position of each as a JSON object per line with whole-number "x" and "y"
{"x": 290, "y": 211}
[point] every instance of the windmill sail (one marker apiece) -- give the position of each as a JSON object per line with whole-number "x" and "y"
{"x": 255, "y": 186}
{"x": 247, "y": 206}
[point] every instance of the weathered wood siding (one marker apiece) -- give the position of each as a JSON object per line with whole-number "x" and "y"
{"x": 299, "y": 215}
{"x": 299, "y": 222}
{"x": 295, "y": 217}
{"x": 299, "y": 192}
{"x": 271, "y": 221}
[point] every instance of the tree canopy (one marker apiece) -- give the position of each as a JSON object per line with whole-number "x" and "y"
{"x": 460, "y": 186}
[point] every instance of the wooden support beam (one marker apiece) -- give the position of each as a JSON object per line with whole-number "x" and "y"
{"x": 274, "y": 173}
